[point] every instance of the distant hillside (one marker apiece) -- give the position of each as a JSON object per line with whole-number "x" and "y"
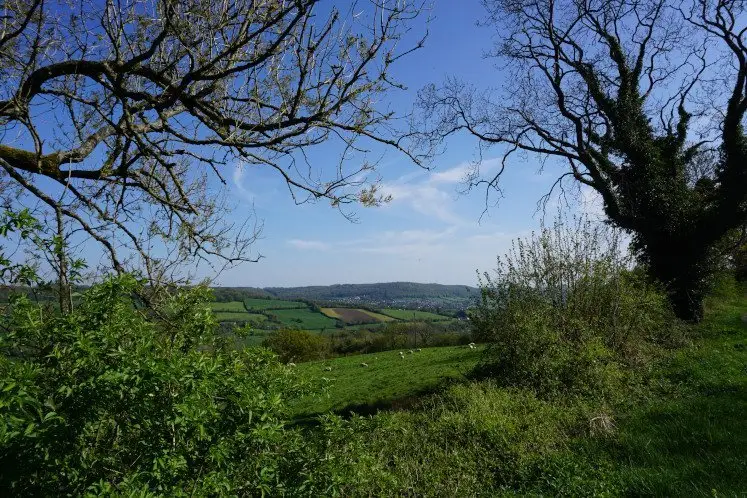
{"x": 408, "y": 295}
{"x": 227, "y": 294}
{"x": 380, "y": 291}
{"x": 382, "y": 295}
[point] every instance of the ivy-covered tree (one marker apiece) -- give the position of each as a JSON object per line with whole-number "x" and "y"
{"x": 641, "y": 101}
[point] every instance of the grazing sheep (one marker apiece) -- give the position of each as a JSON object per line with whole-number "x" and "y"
{"x": 418, "y": 350}
{"x": 291, "y": 364}
{"x": 364, "y": 364}
{"x": 409, "y": 352}
{"x": 401, "y": 353}
{"x": 328, "y": 369}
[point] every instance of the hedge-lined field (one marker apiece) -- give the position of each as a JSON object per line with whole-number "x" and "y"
{"x": 232, "y": 306}
{"x": 229, "y": 316}
{"x": 353, "y": 316}
{"x": 258, "y": 304}
{"x": 301, "y": 318}
{"x": 400, "y": 314}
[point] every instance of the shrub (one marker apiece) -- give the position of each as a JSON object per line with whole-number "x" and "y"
{"x": 297, "y": 345}
{"x": 563, "y": 307}
{"x": 107, "y": 399}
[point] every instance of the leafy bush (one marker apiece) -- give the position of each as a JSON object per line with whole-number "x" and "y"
{"x": 297, "y": 345}
{"x": 107, "y": 399}
{"x": 563, "y": 307}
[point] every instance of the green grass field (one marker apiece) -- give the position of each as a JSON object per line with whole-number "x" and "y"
{"x": 677, "y": 427}
{"x": 413, "y": 315}
{"x": 303, "y": 319}
{"x": 227, "y": 316}
{"x": 257, "y": 304}
{"x": 233, "y": 306}
{"x": 387, "y": 378}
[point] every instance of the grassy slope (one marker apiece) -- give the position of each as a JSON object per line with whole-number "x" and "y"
{"x": 688, "y": 435}
{"x": 387, "y": 378}
{"x": 680, "y": 427}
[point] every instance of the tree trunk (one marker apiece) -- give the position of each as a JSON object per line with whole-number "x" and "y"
{"x": 685, "y": 268}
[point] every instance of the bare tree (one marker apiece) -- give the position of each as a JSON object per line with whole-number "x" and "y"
{"x": 124, "y": 116}
{"x": 642, "y": 101}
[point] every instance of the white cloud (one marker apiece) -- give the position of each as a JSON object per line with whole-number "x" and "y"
{"x": 436, "y": 194}
{"x": 238, "y": 177}
{"x": 425, "y": 199}
{"x": 314, "y": 245}
{"x": 453, "y": 175}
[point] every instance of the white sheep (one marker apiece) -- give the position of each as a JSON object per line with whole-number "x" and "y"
{"x": 364, "y": 364}
{"x": 418, "y": 350}
{"x": 291, "y": 364}
{"x": 328, "y": 369}
{"x": 409, "y": 352}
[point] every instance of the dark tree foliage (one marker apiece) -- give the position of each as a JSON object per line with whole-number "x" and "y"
{"x": 641, "y": 101}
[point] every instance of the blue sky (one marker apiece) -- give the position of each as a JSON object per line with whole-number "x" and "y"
{"x": 429, "y": 232}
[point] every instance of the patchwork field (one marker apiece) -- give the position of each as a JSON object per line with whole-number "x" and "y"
{"x": 353, "y": 316}
{"x": 400, "y": 314}
{"x": 258, "y": 304}
{"x": 232, "y": 306}
{"x": 277, "y": 313}
{"x": 229, "y": 316}
{"x": 388, "y": 377}
{"x": 301, "y": 318}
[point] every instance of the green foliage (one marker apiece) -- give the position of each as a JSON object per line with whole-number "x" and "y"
{"x": 563, "y": 310}
{"x": 25, "y": 227}
{"x": 108, "y": 400}
{"x": 293, "y": 345}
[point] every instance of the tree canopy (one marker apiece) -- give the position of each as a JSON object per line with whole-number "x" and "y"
{"x": 122, "y": 119}
{"x": 642, "y": 101}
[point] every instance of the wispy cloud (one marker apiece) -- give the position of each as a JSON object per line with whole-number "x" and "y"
{"x": 425, "y": 199}
{"x": 314, "y": 245}
{"x": 238, "y": 182}
{"x": 435, "y": 194}
{"x": 264, "y": 189}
